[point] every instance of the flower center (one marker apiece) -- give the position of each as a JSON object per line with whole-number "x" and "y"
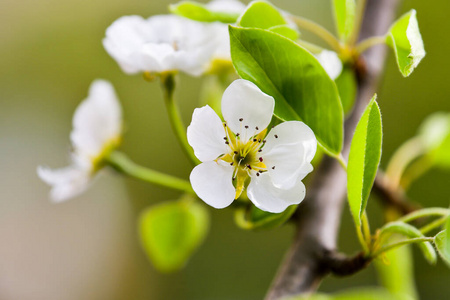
{"x": 244, "y": 156}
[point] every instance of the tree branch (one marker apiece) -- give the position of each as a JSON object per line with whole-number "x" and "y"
{"x": 318, "y": 216}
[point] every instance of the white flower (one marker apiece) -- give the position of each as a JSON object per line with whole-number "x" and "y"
{"x": 226, "y": 6}
{"x": 240, "y": 149}
{"x": 162, "y": 43}
{"x": 331, "y": 62}
{"x": 97, "y": 127}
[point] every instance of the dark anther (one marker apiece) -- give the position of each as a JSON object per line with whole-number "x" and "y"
{"x": 235, "y": 152}
{"x": 260, "y": 159}
{"x": 231, "y": 163}
{"x": 257, "y": 174}
{"x": 259, "y": 141}
{"x": 276, "y": 136}
{"x": 273, "y": 168}
{"x": 234, "y": 178}
{"x": 254, "y": 140}
{"x": 240, "y": 120}
{"x": 225, "y": 124}
{"x": 256, "y": 128}
{"x": 260, "y": 150}
{"x": 264, "y": 141}
{"x": 250, "y": 167}
{"x": 238, "y": 134}
{"x": 227, "y": 142}
{"x": 225, "y": 138}
{"x": 246, "y": 127}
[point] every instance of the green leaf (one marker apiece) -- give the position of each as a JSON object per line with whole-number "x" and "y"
{"x": 252, "y": 218}
{"x": 363, "y": 160}
{"x": 344, "y": 14}
{"x": 301, "y": 87}
{"x": 170, "y": 232}
{"x": 404, "y": 37}
{"x": 200, "y": 12}
{"x": 263, "y": 15}
{"x": 346, "y": 84}
{"x": 411, "y": 232}
{"x": 435, "y": 135}
{"x": 442, "y": 241}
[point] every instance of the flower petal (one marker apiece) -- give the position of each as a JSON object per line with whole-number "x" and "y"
{"x": 206, "y": 134}
{"x": 331, "y": 62}
{"x": 213, "y": 183}
{"x": 97, "y": 120}
{"x": 66, "y": 183}
{"x": 288, "y": 152}
{"x": 228, "y": 6}
{"x": 268, "y": 197}
{"x": 243, "y": 100}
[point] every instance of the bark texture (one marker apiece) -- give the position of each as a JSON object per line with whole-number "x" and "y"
{"x": 313, "y": 253}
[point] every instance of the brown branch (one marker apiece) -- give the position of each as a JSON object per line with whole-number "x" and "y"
{"x": 319, "y": 214}
{"x": 392, "y": 198}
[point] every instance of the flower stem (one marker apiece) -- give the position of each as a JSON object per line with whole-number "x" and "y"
{"x": 433, "y": 225}
{"x": 369, "y": 43}
{"x": 400, "y": 160}
{"x": 120, "y": 162}
{"x": 168, "y": 86}
{"x": 398, "y": 244}
{"x": 319, "y": 31}
{"x": 360, "y": 9}
{"x": 432, "y": 211}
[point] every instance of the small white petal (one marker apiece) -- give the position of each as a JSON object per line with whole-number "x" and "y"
{"x": 244, "y": 100}
{"x": 268, "y": 197}
{"x": 66, "y": 183}
{"x": 331, "y": 62}
{"x": 288, "y": 152}
{"x": 97, "y": 120}
{"x": 206, "y": 134}
{"x": 226, "y": 6}
{"x": 212, "y": 182}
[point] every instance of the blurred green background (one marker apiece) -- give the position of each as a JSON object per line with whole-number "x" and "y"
{"x": 87, "y": 248}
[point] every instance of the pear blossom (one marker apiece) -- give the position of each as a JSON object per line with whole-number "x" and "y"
{"x": 97, "y": 127}
{"x": 242, "y": 153}
{"x": 162, "y": 43}
{"x": 331, "y": 62}
{"x": 226, "y": 6}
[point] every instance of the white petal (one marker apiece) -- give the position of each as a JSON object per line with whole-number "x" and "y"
{"x": 244, "y": 100}
{"x": 206, "y": 134}
{"x": 331, "y": 62}
{"x": 228, "y": 6}
{"x": 66, "y": 182}
{"x": 288, "y": 152}
{"x": 213, "y": 183}
{"x": 268, "y": 197}
{"x": 97, "y": 120}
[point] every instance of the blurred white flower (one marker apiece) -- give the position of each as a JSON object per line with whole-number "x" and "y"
{"x": 97, "y": 127}
{"x": 241, "y": 149}
{"x": 226, "y": 6}
{"x": 331, "y": 62}
{"x": 162, "y": 43}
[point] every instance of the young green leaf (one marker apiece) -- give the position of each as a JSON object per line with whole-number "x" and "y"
{"x": 442, "y": 241}
{"x": 200, "y": 12}
{"x": 435, "y": 135}
{"x": 346, "y": 84}
{"x": 252, "y": 218}
{"x": 301, "y": 87}
{"x": 344, "y": 15}
{"x": 170, "y": 232}
{"x": 411, "y": 232}
{"x": 404, "y": 37}
{"x": 364, "y": 158}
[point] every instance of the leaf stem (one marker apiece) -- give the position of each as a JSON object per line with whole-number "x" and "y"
{"x": 168, "y": 86}
{"x": 369, "y": 43}
{"x": 341, "y": 161}
{"x": 398, "y": 244}
{"x": 361, "y": 239}
{"x": 366, "y": 228}
{"x": 319, "y": 31}
{"x": 120, "y": 162}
